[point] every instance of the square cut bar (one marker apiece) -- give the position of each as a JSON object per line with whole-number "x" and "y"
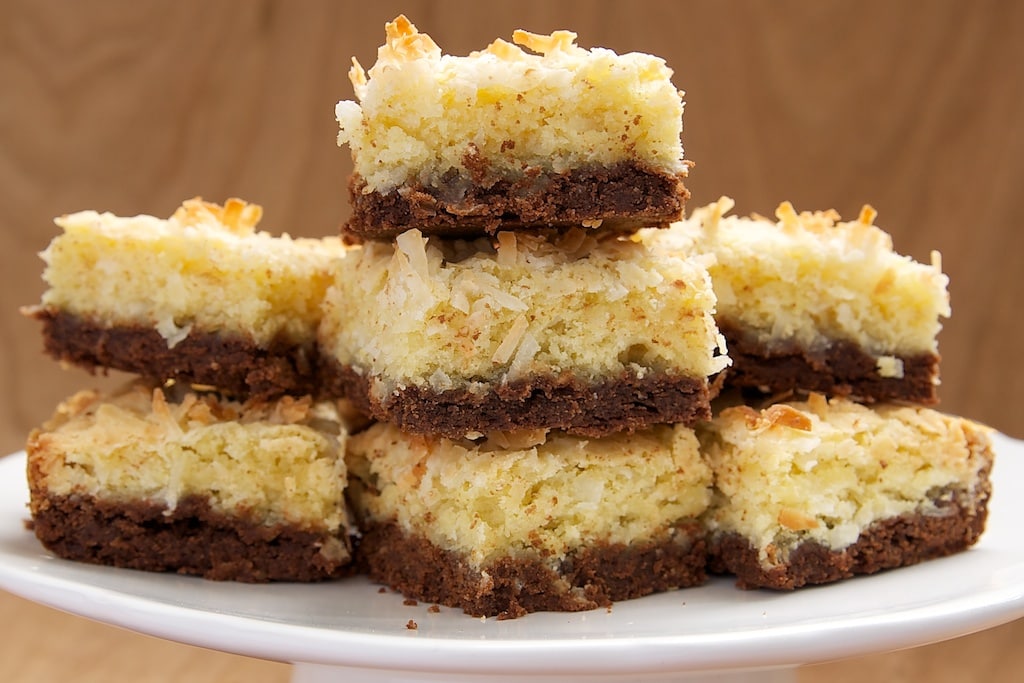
{"x": 812, "y": 303}
{"x": 817, "y": 491}
{"x": 504, "y": 138}
{"x": 200, "y": 298}
{"x": 588, "y": 334}
{"x": 193, "y": 484}
{"x": 526, "y": 522}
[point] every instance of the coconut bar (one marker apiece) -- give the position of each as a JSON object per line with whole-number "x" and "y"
{"x": 162, "y": 479}
{"x": 588, "y": 333}
{"x": 816, "y": 491}
{"x": 538, "y": 131}
{"x": 529, "y": 521}
{"x": 201, "y": 298}
{"x": 815, "y": 304}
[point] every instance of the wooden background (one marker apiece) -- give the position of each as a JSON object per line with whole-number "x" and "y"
{"x": 916, "y": 108}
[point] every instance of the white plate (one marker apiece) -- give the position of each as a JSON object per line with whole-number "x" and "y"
{"x": 716, "y": 627}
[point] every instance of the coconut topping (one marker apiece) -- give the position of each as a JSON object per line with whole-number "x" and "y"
{"x": 559, "y": 41}
{"x": 236, "y": 215}
{"x": 421, "y": 113}
{"x": 811, "y": 278}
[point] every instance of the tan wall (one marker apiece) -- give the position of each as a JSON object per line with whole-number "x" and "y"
{"x": 914, "y": 107}
{"x": 132, "y": 107}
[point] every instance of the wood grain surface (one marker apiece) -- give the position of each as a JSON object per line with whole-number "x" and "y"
{"x": 915, "y": 108}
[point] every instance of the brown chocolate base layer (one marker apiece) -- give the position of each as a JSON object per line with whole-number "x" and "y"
{"x": 625, "y": 196}
{"x": 589, "y": 578}
{"x": 624, "y": 403}
{"x": 233, "y": 364}
{"x": 842, "y": 369}
{"x": 191, "y": 540}
{"x": 886, "y": 544}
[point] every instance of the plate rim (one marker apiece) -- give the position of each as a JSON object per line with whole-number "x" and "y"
{"x": 410, "y": 651}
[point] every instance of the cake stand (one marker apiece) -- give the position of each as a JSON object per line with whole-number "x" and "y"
{"x": 352, "y": 630}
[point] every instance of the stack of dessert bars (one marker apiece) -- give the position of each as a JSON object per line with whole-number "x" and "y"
{"x": 536, "y": 331}
{"x": 521, "y": 381}
{"x": 535, "y": 366}
{"x": 215, "y": 459}
{"x": 827, "y": 460}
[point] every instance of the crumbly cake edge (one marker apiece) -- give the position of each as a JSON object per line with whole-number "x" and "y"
{"x": 192, "y": 539}
{"x": 564, "y": 402}
{"x": 590, "y": 577}
{"x": 889, "y": 543}
{"x": 843, "y": 368}
{"x": 229, "y": 362}
{"x": 622, "y": 198}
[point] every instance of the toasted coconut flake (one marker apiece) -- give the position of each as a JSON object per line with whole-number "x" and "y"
{"x": 236, "y": 215}
{"x": 562, "y": 41}
{"x": 787, "y": 216}
{"x": 508, "y": 345}
{"x": 199, "y": 413}
{"x": 357, "y": 75}
{"x": 414, "y": 246}
{"x": 188, "y": 403}
{"x": 809, "y": 221}
{"x": 508, "y": 254}
{"x": 159, "y": 404}
{"x": 796, "y": 521}
{"x": 291, "y": 410}
{"x": 818, "y": 405}
{"x": 785, "y": 416}
{"x": 723, "y": 206}
{"x": 867, "y": 215}
{"x": 483, "y": 286}
{"x": 751, "y": 417}
{"x": 405, "y": 43}
{"x": 502, "y": 49}
{"x": 161, "y": 410}
{"x": 527, "y": 351}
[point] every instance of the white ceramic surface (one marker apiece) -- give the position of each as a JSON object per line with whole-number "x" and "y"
{"x": 713, "y": 628}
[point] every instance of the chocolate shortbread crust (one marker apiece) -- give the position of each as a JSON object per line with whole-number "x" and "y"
{"x": 231, "y": 363}
{"x": 886, "y": 544}
{"x": 841, "y": 369}
{"x": 619, "y": 404}
{"x": 191, "y": 539}
{"x": 625, "y": 196}
{"x": 510, "y": 587}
